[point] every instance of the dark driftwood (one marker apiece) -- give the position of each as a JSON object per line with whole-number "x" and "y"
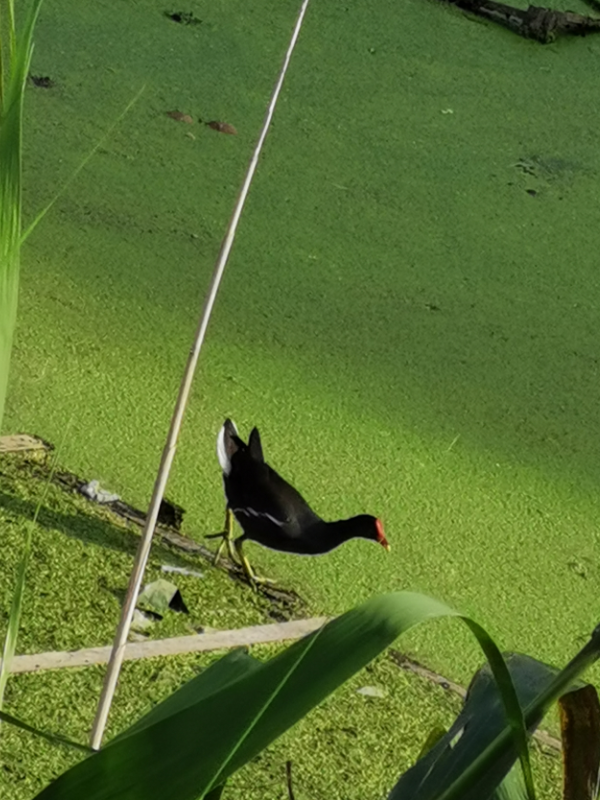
{"x": 580, "y": 728}
{"x": 541, "y": 24}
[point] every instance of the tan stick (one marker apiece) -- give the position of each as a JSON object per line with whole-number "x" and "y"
{"x": 203, "y": 642}
{"x": 137, "y": 574}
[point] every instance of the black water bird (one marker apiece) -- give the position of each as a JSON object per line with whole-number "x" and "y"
{"x": 271, "y": 512}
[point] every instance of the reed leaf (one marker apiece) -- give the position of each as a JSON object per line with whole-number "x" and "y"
{"x": 189, "y": 746}
{"x": 15, "y": 58}
{"x": 53, "y": 738}
{"x": 479, "y": 723}
{"x": 14, "y": 617}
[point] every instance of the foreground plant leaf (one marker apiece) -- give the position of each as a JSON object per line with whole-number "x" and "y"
{"x": 15, "y": 57}
{"x": 479, "y": 749}
{"x": 215, "y": 794}
{"x": 231, "y": 668}
{"x": 192, "y": 743}
{"x": 478, "y": 724}
{"x": 16, "y": 48}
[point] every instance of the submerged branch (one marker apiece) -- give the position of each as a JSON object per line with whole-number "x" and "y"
{"x": 535, "y": 22}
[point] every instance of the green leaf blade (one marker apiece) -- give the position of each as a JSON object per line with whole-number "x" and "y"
{"x": 188, "y": 753}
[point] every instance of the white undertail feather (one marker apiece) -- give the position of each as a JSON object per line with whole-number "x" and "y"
{"x": 222, "y": 454}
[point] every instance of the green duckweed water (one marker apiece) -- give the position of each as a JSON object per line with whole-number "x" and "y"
{"x": 409, "y": 314}
{"x": 352, "y": 746}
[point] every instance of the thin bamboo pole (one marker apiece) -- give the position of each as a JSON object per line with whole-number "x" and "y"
{"x": 137, "y": 574}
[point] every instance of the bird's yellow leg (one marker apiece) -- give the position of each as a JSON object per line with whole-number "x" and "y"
{"x": 226, "y": 537}
{"x": 253, "y": 578}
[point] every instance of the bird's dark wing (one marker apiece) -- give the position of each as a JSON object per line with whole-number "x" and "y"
{"x": 253, "y": 488}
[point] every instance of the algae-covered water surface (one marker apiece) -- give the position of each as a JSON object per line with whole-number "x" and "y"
{"x": 409, "y": 314}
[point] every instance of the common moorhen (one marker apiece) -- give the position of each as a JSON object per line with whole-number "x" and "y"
{"x": 273, "y": 513}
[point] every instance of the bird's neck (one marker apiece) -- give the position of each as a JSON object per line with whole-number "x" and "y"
{"x": 331, "y": 534}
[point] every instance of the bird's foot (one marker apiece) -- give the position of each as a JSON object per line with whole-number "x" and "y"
{"x": 227, "y": 536}
{"x": 253, "y": 579}
{"x": 259, "y": 580}
{"x": 226, "y": 541}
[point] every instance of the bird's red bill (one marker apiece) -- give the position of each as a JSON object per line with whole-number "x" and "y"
{"x": 381, "y": 535}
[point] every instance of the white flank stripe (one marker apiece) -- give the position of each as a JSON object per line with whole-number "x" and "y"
{"x": 250, "y": 512}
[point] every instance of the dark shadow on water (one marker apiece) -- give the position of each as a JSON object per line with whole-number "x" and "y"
{"x": 88, "y": 529}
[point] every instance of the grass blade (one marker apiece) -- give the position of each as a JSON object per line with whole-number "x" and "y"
{"x": 14, "y": 619}
{"x": 11, "y": 123}
{"x": 53, "y": 738}
{"x": 11, "y": 118}
{"x": 83, "y": 163}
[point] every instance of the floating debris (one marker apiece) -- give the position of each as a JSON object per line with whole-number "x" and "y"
{"x": 22, "y": 442}
{"x": 181, "y": 571}
{"x": 180, "y": 116}
{"x": 42, "y": 81}
{"x": 222, "y": 127}
{"x": 135, "y": 636}
{"x": 141, "y": 622}
{"x": 160, "y": 596}
{"x": 183, "y": 17}
{"x": 93, "y": 492}
{"x": 371, "y": 691}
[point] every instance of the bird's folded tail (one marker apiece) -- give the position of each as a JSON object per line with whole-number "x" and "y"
{"x": 227, "y": 444}
{"x": 255, "y": 446}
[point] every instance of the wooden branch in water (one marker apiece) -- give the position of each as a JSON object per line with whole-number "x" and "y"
{"x": 536, "y": 22}
{"x": 200, "y": 643}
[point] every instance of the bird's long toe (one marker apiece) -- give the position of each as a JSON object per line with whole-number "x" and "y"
{"x": 226, "y": 537}
{"x": 262, "y": 581}
{"x": 219, "y": 551}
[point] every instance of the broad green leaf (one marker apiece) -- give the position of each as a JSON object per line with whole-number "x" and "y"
{"x": 188, "y": 752}
{"x": 478, "y": 724}
{"x": 564, "y": 681}
{"x": 512, "y": 787}
{"x": 479, "y": 774}
{"x": 433, "y": 737}
{"x": 215, "y": 794}
{"x": 235, "y": 665}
